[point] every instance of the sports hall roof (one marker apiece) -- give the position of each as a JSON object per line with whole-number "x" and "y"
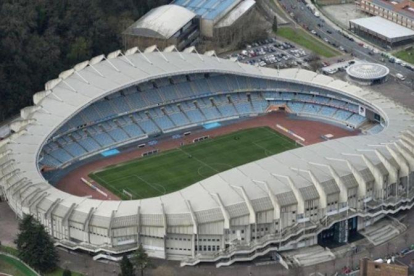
{"x": 161, "y": 22}
{"x": 208, "y": 9}
{"x": 236, "y": 13}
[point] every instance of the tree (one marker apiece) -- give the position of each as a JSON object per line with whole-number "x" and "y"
{"x": 80, "y": 49}
{"x": 142, "y": 260}
{"x": 314, "y": 62}
{"x": 35, "y": 245}
{"x": 274, "y": 26}
{"x": 67, "y": 272}
{"x": 127, "y": 269}
{"x": 40, "y": 39}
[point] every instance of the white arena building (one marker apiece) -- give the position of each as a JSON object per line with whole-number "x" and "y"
{"x": 366, "y": 73}
{"x": 282, "y": 202}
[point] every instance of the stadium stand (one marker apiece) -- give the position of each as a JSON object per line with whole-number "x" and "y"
{"x": 117, "y": 119}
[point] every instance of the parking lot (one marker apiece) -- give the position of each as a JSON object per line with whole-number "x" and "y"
{"x": 271, "y": 52}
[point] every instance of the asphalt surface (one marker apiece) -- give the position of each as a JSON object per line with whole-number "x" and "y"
{"x": 271, "y": 47}
{"x": 305, "y": 17}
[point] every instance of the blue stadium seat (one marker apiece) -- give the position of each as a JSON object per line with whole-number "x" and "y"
{"x": 75, "y": 150}
{"x": 327, "y": 111}
{"x": 118, "y": 135}
{"x": 163, "y": 122}
{"x": 342, "y": 115}
{"x": 133, "y": 130}
{"x": 211, "y": 113}
{"x": 311, "y": 108}
{"x": 179, "y": 119}
{"x": 356, "y": 120}
{"x": 103, "y": 139}
{"x": 321, "y": 100}
{"x": 195, "y": 116}
{"x": 244, "y": 108}
{"x": 89, "y": 144}
{"x": 61, "y": 155}
{"x": 148, "y": 126}
{"x": 295, "y": 106}
{"x": 227, "y": 110}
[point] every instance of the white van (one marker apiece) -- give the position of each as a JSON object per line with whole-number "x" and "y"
{"x": 400, "y": 76}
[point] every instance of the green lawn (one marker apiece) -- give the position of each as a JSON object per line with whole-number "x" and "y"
{"x": 59, "y": 272}
{"x": 14, "y": 267}
{"x": 9, "y": 250}
{"x": 406, "y": 55}
{"x": 175, "y": 169}
{"x": 306, "y": 40}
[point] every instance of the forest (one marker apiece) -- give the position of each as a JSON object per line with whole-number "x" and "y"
{"x": 41, "y": 38}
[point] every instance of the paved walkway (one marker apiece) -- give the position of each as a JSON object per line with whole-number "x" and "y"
{"x": 82, "y": 262}
{"x": 8, "y": 225}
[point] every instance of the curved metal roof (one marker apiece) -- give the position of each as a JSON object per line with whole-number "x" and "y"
{"x": 287, "y": 176}
{"x": 162, "y": 22}
{"x": 368, "y": 71}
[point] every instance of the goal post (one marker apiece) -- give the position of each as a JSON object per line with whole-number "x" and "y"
{"x": 125, "y": 192}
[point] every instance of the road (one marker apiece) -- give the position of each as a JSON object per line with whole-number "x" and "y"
{"x": 305, "y": 17}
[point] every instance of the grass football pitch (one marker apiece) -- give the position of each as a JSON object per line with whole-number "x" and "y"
{"x": 175, "y": 169}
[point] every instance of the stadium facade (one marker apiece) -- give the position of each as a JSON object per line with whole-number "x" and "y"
{"x": 282, "y": 202}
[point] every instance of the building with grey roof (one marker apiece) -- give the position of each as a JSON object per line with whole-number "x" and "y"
{"x": 164, "y": 26}
{"x": 215, "y": 14}
{"x": 278, "y": 203}
{"x": 382, "y": 30}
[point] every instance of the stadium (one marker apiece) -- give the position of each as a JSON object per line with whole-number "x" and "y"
{"x": 293, "y": 194}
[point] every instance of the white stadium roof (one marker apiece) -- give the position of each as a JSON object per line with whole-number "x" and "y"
{"x": 161, "y": 22}
{"x": 384, "y": 27}
{"x": 289, "y": 176}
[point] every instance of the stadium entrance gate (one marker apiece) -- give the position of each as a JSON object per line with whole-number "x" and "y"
{"x": 339, "y": 233}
